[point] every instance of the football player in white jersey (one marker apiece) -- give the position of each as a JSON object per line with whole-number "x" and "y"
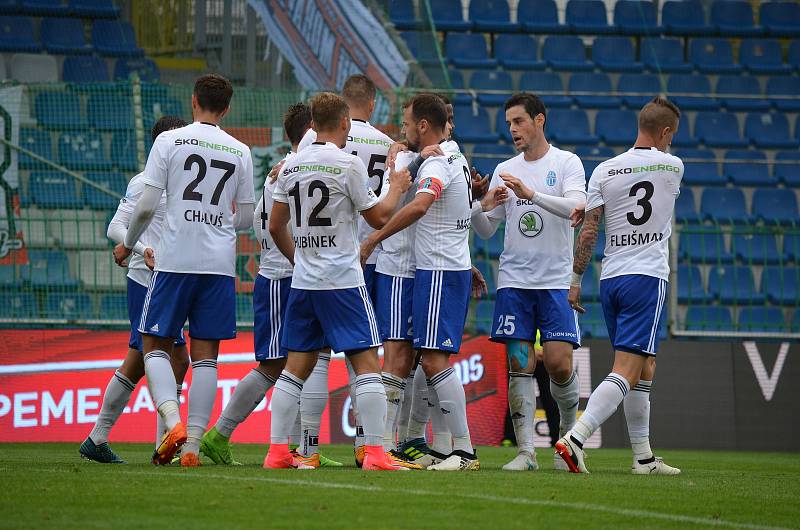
{"x": 546, "y": 183}
{"x": 442, "y": 281}
{"x": 204, "y": 171}
{"x": 321, "y": 191}
{"x": 636, "y": 193}
{"x": 124, "y": 381}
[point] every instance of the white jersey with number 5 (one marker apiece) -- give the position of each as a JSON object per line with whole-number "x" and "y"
{"x": 204, "y": 171}
{"x": 273, "y": 263}
{"x": 441, "y": 240}
{"x": 637, "y": 190}
{"x": 325, "y": 189}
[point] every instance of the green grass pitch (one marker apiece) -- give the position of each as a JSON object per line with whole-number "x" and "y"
{"x": 49, "y": 486}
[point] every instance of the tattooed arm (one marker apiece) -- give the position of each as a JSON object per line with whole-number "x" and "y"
{"x": 587, "y": 239}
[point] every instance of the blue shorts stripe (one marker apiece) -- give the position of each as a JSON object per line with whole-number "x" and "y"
{"x": 662, "y": 292}
{"x": 373, "y": 324}
{"x": 146, "y": 305}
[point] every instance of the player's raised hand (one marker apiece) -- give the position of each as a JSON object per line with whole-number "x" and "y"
{"x": 367, "y": 248}
{"x": 479, "y": 287}
{"x": 150, "y": 258}
{"x": 577, "y": 215}
{"x": 431, "y": 150}
{"x": 479, "y": 183}
{"x": 401, "y": 179}
{"x": 517, "y": 186}
{"x": 494, "y": 198}
{"x": 574, "y": 299}
{"x": 121, "y": 255}
{"x": 275, "y": 171}
{"x": 394, "y": 150}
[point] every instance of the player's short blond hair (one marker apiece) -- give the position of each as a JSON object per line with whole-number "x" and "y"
{"x": 327, "y": 111}
{"x": 658, "y": 114}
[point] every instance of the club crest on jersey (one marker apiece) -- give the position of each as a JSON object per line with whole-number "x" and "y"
{"x": 530, "y": 224}
{"x": 550, "y": 180}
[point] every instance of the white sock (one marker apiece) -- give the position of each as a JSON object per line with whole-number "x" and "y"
{"x": 371, "y": 398}
{"x": 351, "y": 375}
{"x": 285, "y": 407}
{"x": 442, "y": 439}
{"x": 202, "y": 396}
{"x": 118, "y": 393}
{"x": 296, "y": 434}
{"x": 312, "y": 403}
{"x": 420, "y": 408}
{"x": 521, "y": 399}
{"x": 405, "y": 409}
{"x": 566, "y": 395}
{"x": 161, "y": 382}
{"x": 602, "y": 403}
{"x": 248, "y": 394}
{"x": 161, "y": 427}
{"x": 453, "y": 404}
{"x": 637, "y": 415}
{"x": 395, "y": 388}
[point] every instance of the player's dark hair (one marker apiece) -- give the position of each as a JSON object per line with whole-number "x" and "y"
{"x": 166, "y": 123}
{"x": 443, "y": 97}
{"x": 359, "y": 90}
{"x": 327, "y": 110}
{"x": 213, "y": 93}
{"x": 658, "y": 114}
{"x": 429, "y": 107}
{"x": 296, "y": 121}
{"x": 530, "y": 102}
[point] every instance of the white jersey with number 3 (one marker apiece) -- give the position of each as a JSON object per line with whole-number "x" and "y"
{"x": 204, "y": 171}
{"x": 637, "y": 190}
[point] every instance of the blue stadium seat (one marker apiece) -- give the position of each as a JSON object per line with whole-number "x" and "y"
{"x": 114, "y": 306}
{"x": 85, "y": 69}
{"x": 518, "y": 52}
{"x": 587, "y": 88}
{"x": 793, "y": 58}
{"x": 53, "y": 189}
{"x": 718, "y": 129}
{"x": 684, "y": 138}
{"x": 9, "y": 6}
{"x": 402, "y": 15}
{"x": 94, "y": 8}
{"x": 82, "y": 150}
{"x": 593, "y": 323}
{"x": 64, "y": 36}
{"x": 734, "y": 284}
{"x": 769, "y": 131}
{"x": 713, "y": 56}
{"x": 468, "y": 50}
{"x": 795, "y": 323}
{"x": 781, "y": 284}
{"x": 98, "y": 200}
{"x": 690, "y": 286}
{"x": 16, "y": 35}
{"x": 146, "y": 69}
{"x": 748, "y": 168}
{"x": 591, "y": 156}
{"x": 563, "y": 52}
{"x": 447, "y": 15}
{"x": 492, "y": 15}
{"x": 636, "y": 17}
{"x": 780, "y": 19}
{"x": 694, "y": 90}
{"x": 617, "y": 127}
{"x": 703, "y": 245}
{"x": 755, "y": 249}
{"x": 701, "y": 173}
{"x": 58, "y": 110}
{"x": 53, "y": 8}
{"x": 48, "y": 269}
{"x": 783, "y": 93}
{"x": 123, "y": 151}
{"x": 615, "y": 54}
{"x": 539, "y": 16}
{"x": 491, "y": 247}
{"x": 685, "y": 17}
{"x": 109, "y": 111}
{"x": 763, "y": 56}
{"x": 708, "y": 318}
{"x": 587, "y": 17}
{"x": 422, "y": 45}
{"x": 115, "y": 38}
{"x": 762, "y": 319}
{"x": 734, "y": 18}
{"x": 473, "y": 127}
{"x": 731, "y": 86}
{"x": 491, "y": 155}
{"x": 590, "y": 284}
{"x": 685, "y": 207}
{"x": 19, "y": 305}
{"x": 776, "y": 206}
{"x": 9, "y": 279}
{"x": 71, "y": 306}
{"x": 791, "y": 248}
{"x": 493, "y": 81}
{"x": 488, "y": 274}
{"x": 548, "y": 86}
{"x": 664, "y": 55}
{"x": 501, "y": 127}
{"x": 787, "y": 167}
{"x": 154, "y": 108}
{"x": 570, "y": 127}
{"x": 484, "y": 317}
{"x": 37, "y": 141}
{"x": 724, "y": 206}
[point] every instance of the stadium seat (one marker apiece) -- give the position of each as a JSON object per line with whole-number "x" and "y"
{"x": 763, "y": 56}
{"x": 123, "y": 151}
{"x": 548, "y": 86}
{"x": 780, "y": 19}
{"x": 791, "y": 248}
{"x": 593, "y": 323}
{"x": 776, "y": 206}
{"x": 37, "y": 141}
{"x": 146, "y": 69}
{"x": 781, "y": 284}
{"x": 48, "y": 269}
{"x": 787, "y": 167}
{"x": 69, "y": 306}
{"x": 99, "y": 200}
{"x": 518, "y": 52}
{"x": 683, "y": 137}
{"x": 490, "y": 156}
{"x": 747, "y": 168}
{"x": 472, "y": 125}
{"x": 592, "y": 90}
{"x": 489, "y": 248}
{"x": 539, "y": 17}
{"x": 85, "y": 69}
{"x": 718, "y": 129}
{"x": 636, "y": 17}
{"x": 9, "y": 278}
{"x": 664, "y": 55}
{"x": 685, "y": 207}
{"x": 64, "y": 36}
{"x": 793, "y": 58}
{"x": 615, "y": 54}
{"x": 498, "y": 82}
{"x": 724, "y": 206}
{"x": 563, "y": 52}
{"x": 783, "y": 91}
{"x": 77, "y": 228}
{"x": 691, "y": 92}
{"x": 114, "y": 306}
{"x": 492, "y": 16}
{"x": 591, "y": 156}
{"x": 110, "y": 111}
{"x": 734, "y": 18}
{"x": 16, "y": 35}
{"x": 734, "y": 284}
{"x": 570, "y": 127}
{"x": 447, "y": 15}
{"x": 638, "y": 89}
{"x": 115, "y": 38}
{"x": 705, "y": 173}
{"x": 713, "y": 56}
{"x": 154, "y": 108}
{"x": 53, "y": 8}
{"x": 468, "y": 50}
{"x": 685, "y": 17}
{"x": 733, "y": 92}
{"x": 94, "y": 8}
{"x": 58, "y": 110}
{"x": 617, "y": 127}
{"x": 422, "y": 45}
{"x": 761, "y": 319}
{"x": 755, "y": 249}
{"x": 708, "y": 318}
{"x": 484, "y": 317}
{"x": 82, "y": 150}
{"x": 402, "y": 15}
{"x": 34, "y": 68}
{"x": 19, "y": 305}
{"x": 769, "y": 131}
{"x": 690, "y": 286}
{"x": 501, "y": 127}
{"x": 488, "y": 274}
{"x": 53, "y": 189}
{"x": 587, "y": 17}
{"x": 590, "y": 284}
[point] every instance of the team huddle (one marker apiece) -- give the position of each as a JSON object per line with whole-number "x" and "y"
{"x": 365, "y": 243}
